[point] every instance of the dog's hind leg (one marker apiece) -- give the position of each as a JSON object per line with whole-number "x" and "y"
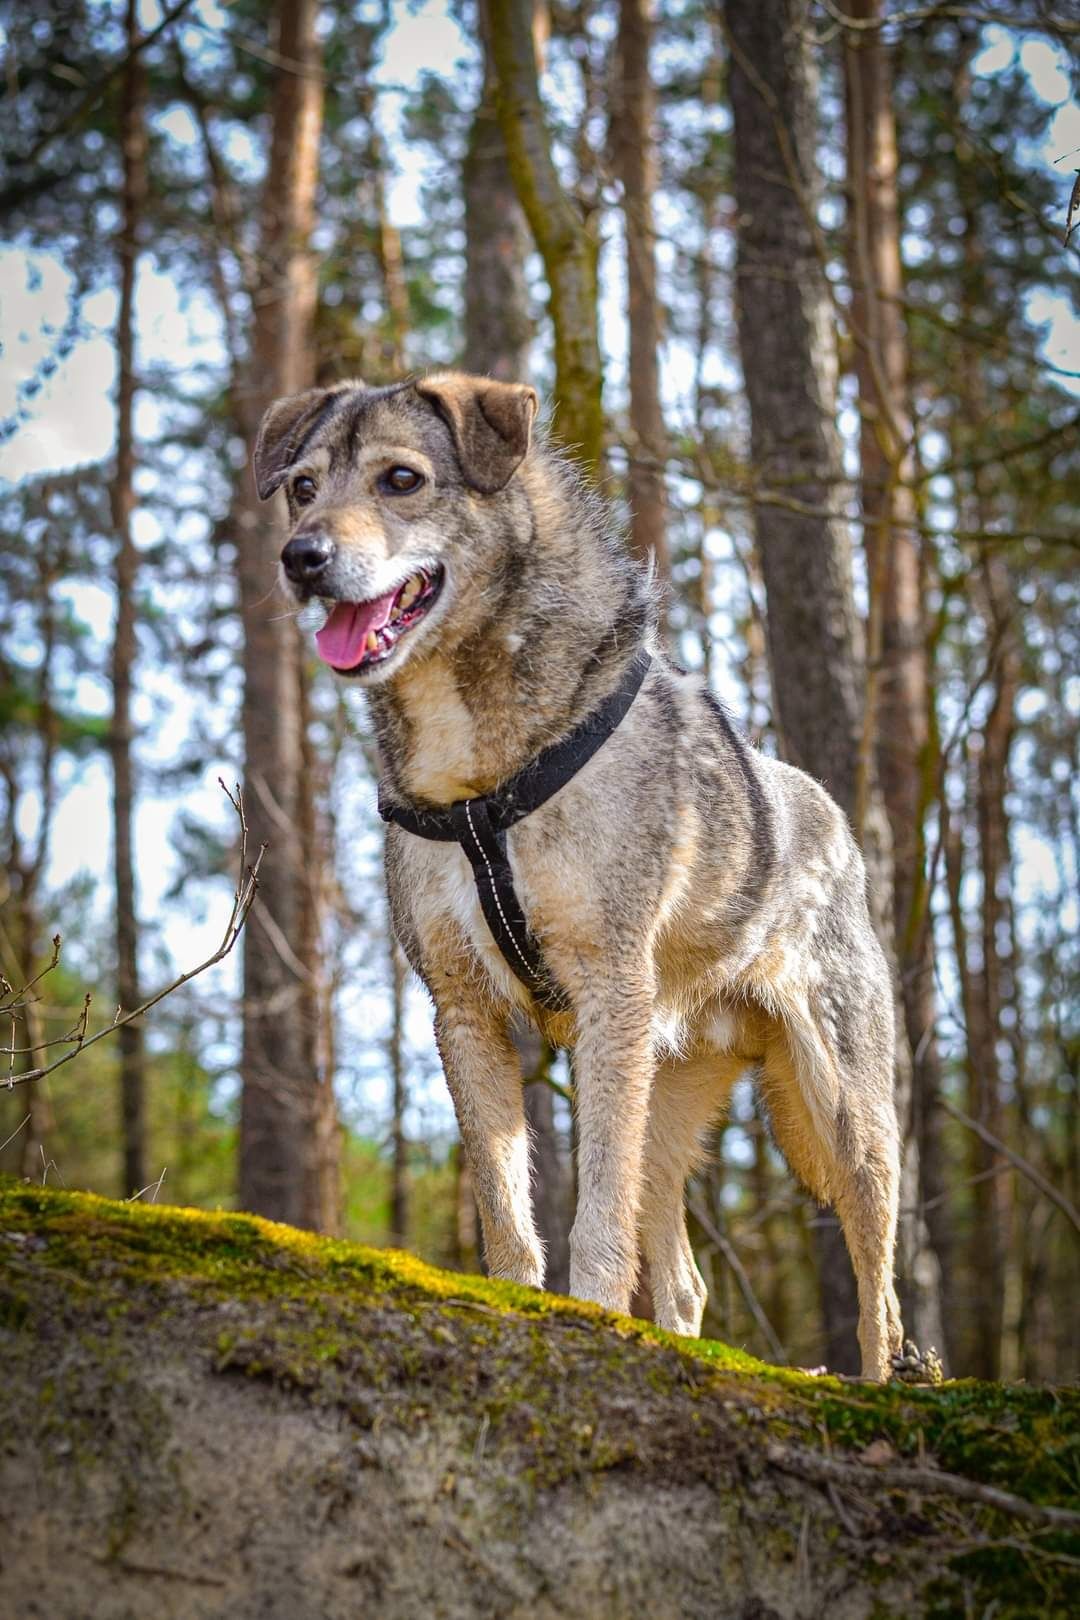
{"x": 687, "y": 1096}
{"x": 483, "y": 1073}
{"x": 835, "y": 1123}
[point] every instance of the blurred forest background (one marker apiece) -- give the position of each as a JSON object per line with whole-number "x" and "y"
{"x": 817, "y": 256}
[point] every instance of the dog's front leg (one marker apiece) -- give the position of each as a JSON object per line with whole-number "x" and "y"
{"x": 612, "y": 1079}
{"x": 483, "y": 1073}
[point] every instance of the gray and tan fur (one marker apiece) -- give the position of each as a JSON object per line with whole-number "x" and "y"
{"x": 703, "y": 905}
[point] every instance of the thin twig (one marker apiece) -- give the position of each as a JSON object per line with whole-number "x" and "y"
{"x": 716, "y": 1236}
{"x": 243, "y": 899}
{"x": 1036, "y": 1177}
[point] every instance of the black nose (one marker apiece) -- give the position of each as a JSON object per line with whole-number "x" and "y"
{"x": 307, "y": 556}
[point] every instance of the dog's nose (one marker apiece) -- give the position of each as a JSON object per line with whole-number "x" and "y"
{"x": 307, "y": 556}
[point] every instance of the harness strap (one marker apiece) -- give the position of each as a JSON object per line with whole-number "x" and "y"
{"x": 480, "y": 826}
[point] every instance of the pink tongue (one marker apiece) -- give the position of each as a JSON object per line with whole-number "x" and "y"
{"x": 341, "y": 639}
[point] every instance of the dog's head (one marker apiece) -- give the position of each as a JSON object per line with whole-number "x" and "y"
{"x": 387, "y": 491}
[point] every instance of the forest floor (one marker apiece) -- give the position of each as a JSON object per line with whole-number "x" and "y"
{"x": 209, "y": 1415}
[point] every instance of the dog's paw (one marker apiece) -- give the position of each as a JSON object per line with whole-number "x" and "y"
{"x": 914, "y": 1366}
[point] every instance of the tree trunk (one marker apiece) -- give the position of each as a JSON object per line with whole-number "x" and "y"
{"x": 896, "y": 725}
{"x": 498, "y": 336}
{"x": 815, "y": 639}
{"x": 993, "y": 1192}
{"x": 634, "y": 158}
{"x": 399, "y": 1147}
{"x": 551, "y": 1185}
{"x": 498, "y": 325}
{"x": 567, "y": 246}
{"x": 130, "y": 1036}
{"x": 288, "y": 1135}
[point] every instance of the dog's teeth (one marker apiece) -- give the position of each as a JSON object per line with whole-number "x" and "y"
{"x": 411, "y": 592}
{"x": 372, "y": 643}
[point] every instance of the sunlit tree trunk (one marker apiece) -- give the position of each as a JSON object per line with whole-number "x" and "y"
{"x": 896, "y": 723}
{"x": 498, "y": 336}
{"x": 130, "y": 1036}
{"x": 785, "y": 325}
{"x": 399, "y": 1147}
{"x": 498, "y": 322}
{"x": 566, "y": 244}
{"x": 288, "y": 1133}
{"x": 632, "y": 142}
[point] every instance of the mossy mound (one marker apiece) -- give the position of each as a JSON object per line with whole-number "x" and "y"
{"x": 209, "y": 1414}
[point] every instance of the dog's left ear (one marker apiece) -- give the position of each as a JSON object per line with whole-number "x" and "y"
{"x": 491, "y": 424}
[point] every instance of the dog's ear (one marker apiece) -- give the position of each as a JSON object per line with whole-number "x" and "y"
{"x": 491, "y": 424}
{"x": 283, "y": 429}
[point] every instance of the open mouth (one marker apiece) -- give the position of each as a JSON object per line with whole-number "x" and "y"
{"x": 359, "y": 635}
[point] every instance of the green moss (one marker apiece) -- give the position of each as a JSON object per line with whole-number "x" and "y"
{"x": 556, "y": 1390}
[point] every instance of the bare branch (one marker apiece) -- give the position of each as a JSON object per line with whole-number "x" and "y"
{"x": 243, "y": 899}
{"x": 712, "y": 1232}
{"x": 1036, "y": 1177}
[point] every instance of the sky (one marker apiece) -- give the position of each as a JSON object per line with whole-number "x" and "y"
{"x": 72, "y": 421}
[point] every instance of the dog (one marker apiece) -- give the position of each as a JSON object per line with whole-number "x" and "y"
{"x": 699, "y": 907}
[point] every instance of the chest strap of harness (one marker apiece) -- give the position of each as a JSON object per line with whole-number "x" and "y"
{"x": 480, "y": 826}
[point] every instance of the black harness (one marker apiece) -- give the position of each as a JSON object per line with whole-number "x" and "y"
{"x": 480, "y": 826}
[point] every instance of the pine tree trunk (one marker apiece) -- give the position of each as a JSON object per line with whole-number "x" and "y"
{"x": 896, "y": 723}
{"x": 498, "y": 336}
{"x": 551, "y": 1184}
{"x": 635, "y": 163}
{"x": 399, "y": 1147}
{"x": 993, "y": 1192}
{"x": 566, "y": 244}
{"x": 498, "y": 324}
{"x": 288, "y": 1133}
{"x": 815, "y": 640}
{"x": 130, "y": 1036}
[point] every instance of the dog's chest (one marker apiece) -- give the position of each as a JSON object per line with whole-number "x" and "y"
{"x": 445, "y": 906}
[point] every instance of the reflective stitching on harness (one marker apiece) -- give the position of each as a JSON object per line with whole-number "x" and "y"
{"x": 495, "y": 891}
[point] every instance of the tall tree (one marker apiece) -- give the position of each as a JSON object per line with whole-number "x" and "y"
{"x": 288, "y": 1128}
{"x": 130, "y": 1036}
{"x": 633, "y": 151}
{"x": 897, "y": 722}
{"x": 566, "y": 243}
{"x": 498, "y": 321}
{"x": 498, "y": 337}
{"x": 815, "y": 639}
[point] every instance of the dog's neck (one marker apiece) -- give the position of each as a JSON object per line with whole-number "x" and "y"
{"x": 459, "y": 722}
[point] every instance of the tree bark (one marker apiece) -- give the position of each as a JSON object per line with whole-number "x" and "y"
{"x": 551, "y": 1182}
{"x": 498, "y": 336}
{"x": 399, "y": 1147}
{"x": 634, "y": 157}
{"x": 992, "y": 1191}
{"x": 567, "y": 245}
{"x": 124, "y": 648}
{"x": 288, "y": 1132}
{"x": 498, "y": 323}
{"x": 815, "y": 640}
{"x": 896, "y": 723}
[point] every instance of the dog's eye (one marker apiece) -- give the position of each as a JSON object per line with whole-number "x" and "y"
{"x": 400, "y": 481}
{"x": 304, "y": 490}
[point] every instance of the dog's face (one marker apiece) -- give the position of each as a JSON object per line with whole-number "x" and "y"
{"x": 390, "y": 493}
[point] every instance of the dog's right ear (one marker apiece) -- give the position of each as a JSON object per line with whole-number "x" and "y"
{"x": 282, "y": 431}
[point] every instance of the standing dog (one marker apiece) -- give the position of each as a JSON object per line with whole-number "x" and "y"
{"x": 701, "y": 908}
